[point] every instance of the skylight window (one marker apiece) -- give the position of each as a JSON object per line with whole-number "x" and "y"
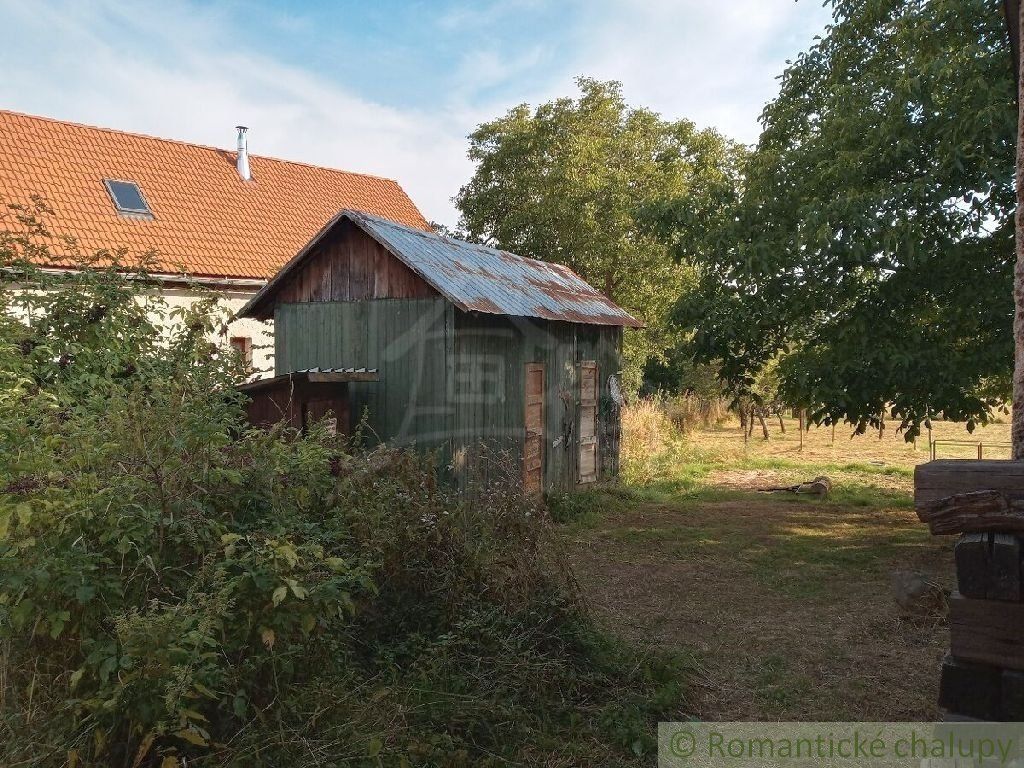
{"x": 127, "y": 197}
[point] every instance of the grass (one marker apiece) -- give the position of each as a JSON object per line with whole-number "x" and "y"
{"x": 783, "y": 601}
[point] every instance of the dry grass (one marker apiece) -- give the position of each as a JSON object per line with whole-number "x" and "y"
{"x": 784, "y": 602}
{"x": 647, "y": 437}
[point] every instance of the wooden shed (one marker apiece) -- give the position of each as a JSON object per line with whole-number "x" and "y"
{"x": 478, "y": 351}
{"x": 301, "y": 398}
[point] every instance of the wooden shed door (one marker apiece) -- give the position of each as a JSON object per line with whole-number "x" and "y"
{"x": 588, "y": 422}
{"x": 533, "y": 448}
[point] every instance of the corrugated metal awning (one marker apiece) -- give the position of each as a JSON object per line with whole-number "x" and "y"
{"x": 313, "y": 376}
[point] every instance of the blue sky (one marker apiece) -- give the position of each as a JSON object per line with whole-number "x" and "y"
{"x": 389, "y": 87}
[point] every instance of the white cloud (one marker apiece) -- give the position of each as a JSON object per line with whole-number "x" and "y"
{"x": 177, "y": 71}
{"x": 713, "y": 62}
{"x": 165, "y": 74}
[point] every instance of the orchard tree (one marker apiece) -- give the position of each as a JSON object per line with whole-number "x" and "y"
{"x": 572, "y": 182}
{"x": 871, "y": 238}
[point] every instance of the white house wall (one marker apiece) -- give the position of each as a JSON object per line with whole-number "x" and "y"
{"x": 262, "y": 334}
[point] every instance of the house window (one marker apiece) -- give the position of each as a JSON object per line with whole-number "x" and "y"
{"x": 243, "y": 345}
{"x": 127, "y": 197}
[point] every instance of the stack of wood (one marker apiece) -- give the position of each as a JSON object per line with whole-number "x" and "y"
{"x": 982, "y": 502}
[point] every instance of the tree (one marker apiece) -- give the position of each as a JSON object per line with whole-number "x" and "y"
{"x": 871, "y": 238}
{"x": 570, "y": 183}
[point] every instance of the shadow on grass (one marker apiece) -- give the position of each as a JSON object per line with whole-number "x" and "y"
{"x": 797, "y": 545}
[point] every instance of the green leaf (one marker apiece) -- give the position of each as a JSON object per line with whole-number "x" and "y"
{"x": 374, "y": 747}
{"x": 192, "y": 736}
{"x": 308, "y": 622}
{"x": 279, "y": 595}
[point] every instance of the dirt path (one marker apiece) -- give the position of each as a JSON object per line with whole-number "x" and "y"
{"x": 785, "y": 605}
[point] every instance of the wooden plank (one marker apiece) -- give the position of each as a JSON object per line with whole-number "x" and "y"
{"x": 533, "y": 451}
{"x": 1005, "y": 567}
{"x": 987, "y": 632}
{"x": 972, "y": 553}
{"x": 588, "y": 422}
{"x": 970, "y": 690}
{"x": 946, "y": 477}
{"x": 1011, "y": 698}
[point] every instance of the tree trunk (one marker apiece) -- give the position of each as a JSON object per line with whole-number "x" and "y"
{"x": 1018, "y": 272}
{"x": 764, "y": 427}
{"x": 782, "y": 424}
{"x": 802, "y": 424}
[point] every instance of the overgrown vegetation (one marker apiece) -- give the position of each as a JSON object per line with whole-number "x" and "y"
{"x": 175, "y": 587}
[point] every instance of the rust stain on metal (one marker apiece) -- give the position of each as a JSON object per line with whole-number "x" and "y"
{"x": 481, "y": 279}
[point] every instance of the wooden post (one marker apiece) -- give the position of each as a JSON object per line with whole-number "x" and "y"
{"x": 1017, "y": 430}
{"x": 983, "y": 678}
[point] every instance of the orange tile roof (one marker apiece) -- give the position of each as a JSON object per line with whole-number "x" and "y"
{"x": 206, "y": 219}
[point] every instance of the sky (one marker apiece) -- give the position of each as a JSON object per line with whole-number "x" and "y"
{"x": 390, "y": 87}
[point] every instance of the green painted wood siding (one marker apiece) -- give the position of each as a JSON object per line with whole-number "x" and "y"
{"x": 454, "y": 381}
{"x": 491, "y": 353}
{"x": 409, "y": 341}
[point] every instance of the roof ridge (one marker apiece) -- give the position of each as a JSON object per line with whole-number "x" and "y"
{"x": 182, "y": 142}
{"x": 438, "y": 235}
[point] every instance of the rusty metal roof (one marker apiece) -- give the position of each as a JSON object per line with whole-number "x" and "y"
{"x": 476, "y": 278}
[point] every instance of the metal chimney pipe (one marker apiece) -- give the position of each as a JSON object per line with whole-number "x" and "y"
{"x": 242, "y": 163}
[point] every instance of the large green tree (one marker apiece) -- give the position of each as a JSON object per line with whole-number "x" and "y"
{"x": 572, "y": 181}
{"x": 871, "y": 238}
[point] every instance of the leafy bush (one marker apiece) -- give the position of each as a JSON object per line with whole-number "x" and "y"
{"x": 176, "y": 587}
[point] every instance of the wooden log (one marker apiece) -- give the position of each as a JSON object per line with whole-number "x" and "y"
{"x": 970, "y": 690}
{"x": 988, "y": 566}
{"x": 1011, "y": 699}
{"x": 936, "y": 480}
{"x": 973, "y": 554}
{"x": 1004, "y": 580}
{"x": 987, "y": 632}
{"x": 972, "y": 511}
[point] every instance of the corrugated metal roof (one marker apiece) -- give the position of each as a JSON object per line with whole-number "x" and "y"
{"x": 476, "y": 278}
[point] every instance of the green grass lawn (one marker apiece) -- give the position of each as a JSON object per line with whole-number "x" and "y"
{"x": 783, "y": 602}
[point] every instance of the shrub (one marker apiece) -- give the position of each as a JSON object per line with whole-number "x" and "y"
{"x": 175, "y": 586}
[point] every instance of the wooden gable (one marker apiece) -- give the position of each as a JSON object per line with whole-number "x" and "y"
{"x": 349, "y": 265}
